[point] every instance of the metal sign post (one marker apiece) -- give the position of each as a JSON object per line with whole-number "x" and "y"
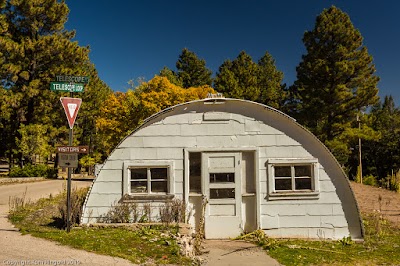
{"x": 69, "y": 186}
{"x": 71, "y": 108}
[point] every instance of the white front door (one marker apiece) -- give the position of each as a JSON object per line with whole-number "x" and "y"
{"x": 221, "y": 177}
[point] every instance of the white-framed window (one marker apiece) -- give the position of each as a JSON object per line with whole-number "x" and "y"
{"x": 293, "y": 179}
{"x": 148, "y": 180}
{"x": 148, "y": 177}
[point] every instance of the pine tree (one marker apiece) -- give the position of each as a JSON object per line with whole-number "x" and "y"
{"x": 383, "y": 155}
{"x": 335, "y": 79}
{"x": 238, "y": 78}
{"x": 34, "y": 48}
{"x": 171, "y": 76}
{"x": 192, "y": 71}
{"x": 270, "y": 81}
{"x": 244, "y": 79}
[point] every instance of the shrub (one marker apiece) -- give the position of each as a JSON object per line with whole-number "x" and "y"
{"x": 173, "y": 211}
{"x": 370, "y": 180}
{"x": 121, "y": 213}
{"x": 39, "y": 170}
{"x": 77, "y": 200}
{"x": 392, "y": 182}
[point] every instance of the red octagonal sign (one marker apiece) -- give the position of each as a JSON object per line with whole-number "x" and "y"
{"x": 71, "y": 108}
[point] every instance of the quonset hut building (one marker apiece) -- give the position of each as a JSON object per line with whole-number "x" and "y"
{"x": 256, "y": 168}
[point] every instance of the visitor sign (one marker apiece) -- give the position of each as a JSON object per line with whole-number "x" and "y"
{"x": 73, "y": 149}
{"x": 66, "y": 86}
{"x": 71, "y": 108}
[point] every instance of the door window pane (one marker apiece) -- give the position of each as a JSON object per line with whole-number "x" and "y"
{"x": 195, "y": 172}
{"x": 222, "y": 193}
{"x": 222, "y": 178}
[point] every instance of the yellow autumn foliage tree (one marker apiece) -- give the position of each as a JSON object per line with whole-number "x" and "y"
{"x": 122, "y": 112}
{"x": 159, "y": 93}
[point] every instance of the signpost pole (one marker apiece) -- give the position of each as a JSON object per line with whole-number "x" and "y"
{"x": 69, "y": 182}
{"x": 69, "y": 188}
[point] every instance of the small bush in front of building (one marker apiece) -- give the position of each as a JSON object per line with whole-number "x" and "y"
{"x": 29, "y": 170}
{"x": 121, "y": 213}
{"x": 173, "y": 211}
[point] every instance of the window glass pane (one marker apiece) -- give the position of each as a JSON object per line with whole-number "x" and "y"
{"x": 283, "y": 184}
{"x": 158, "y": 173}
{"x": 138, "y": 173}
{"x": 138, "y": 186}
{"x": 282, "y": 171}
{"x": 195, "y": 172}
{"x": 302, "y": 170}
{"x": 303, "y": 183}
{"x": 222, "y": 178}
{"x": 222, "y": 193}
{"x": 159, "y": 186}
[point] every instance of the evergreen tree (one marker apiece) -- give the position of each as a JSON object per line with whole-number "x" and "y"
{"x": 171, "y": 76}
{"x": 244, "y": 79}
{"x": 34, "y": 48}
{"x": 335, "y": 79}
{"x": 96, "y": 93}
{"x": 238, "y": 78}
{"x": 382, "y": 156}
{"x": 192, "y": 71}
{"x": 270, "y": 81}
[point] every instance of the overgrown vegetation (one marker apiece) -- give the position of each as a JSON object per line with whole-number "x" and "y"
{"x": 390, "y": 182}
{"x": 173, "y": 211}
{"x": 152, "y": 244}
{"x": 381, "y": 245}
{"x": 77, "y": 200}
{"x": 38, "y": 170}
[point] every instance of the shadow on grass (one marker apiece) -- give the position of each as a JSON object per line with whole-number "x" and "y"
{"x": 57, "y": 223}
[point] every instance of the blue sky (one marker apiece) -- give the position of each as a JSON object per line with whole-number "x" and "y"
{"x": 136, "y": 39}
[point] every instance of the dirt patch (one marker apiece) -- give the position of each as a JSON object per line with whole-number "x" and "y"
{"x": 373, "y": 199}
{"x": 234, "y": 252}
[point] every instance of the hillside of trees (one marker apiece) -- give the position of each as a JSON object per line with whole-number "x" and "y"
{"x": 335, "y": 94}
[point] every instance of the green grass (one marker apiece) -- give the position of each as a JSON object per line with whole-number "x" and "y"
{"x": 381, "y": 247}
{"x": 153, "y": 244}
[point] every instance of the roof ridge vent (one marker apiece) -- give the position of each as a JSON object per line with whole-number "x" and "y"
{"x": 217, "y": 95}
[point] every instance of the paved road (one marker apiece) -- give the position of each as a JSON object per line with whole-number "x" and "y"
{"x": 17, "y": 249}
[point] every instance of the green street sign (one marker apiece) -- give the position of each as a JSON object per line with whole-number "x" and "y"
{"x": 72, "y": 79}
{"x": 66, "y": 86}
